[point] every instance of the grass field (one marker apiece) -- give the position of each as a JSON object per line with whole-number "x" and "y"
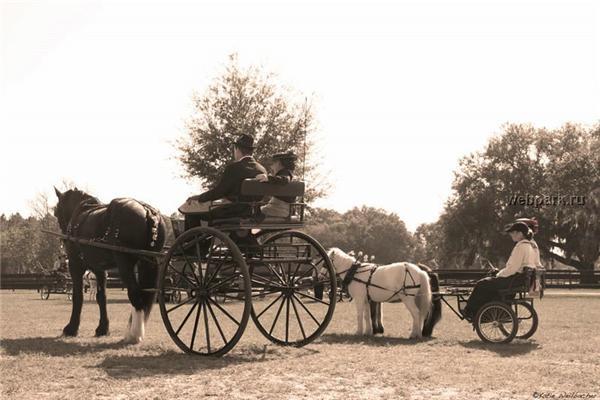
{"x": 562, "y": 359}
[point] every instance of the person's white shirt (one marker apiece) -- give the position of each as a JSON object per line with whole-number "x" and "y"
{"x": 525, "y": 254}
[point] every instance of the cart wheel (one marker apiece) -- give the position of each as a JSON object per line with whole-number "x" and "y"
{"x": 496, "y": 322}
{"x": 44, "y": 292}
{"x": 211, "y": 267}
{"x": 527, "y": 319}
{"x": 286, "y": 308}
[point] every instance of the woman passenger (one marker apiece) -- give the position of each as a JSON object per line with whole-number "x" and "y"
{"x": 283, "y": 168}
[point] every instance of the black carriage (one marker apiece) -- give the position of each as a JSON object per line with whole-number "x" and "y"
{"x": 272, "y": 273}
{"x": 57, "y": 283}
{"x": 512, "y": 315}
{"x": 214, "y": 278}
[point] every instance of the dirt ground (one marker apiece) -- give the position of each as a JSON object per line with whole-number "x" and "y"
{"x": 562, "y": 360}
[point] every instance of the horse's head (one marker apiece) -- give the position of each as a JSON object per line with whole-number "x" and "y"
{"x": 340, "y": 260}
{"x": 67, "y": 203}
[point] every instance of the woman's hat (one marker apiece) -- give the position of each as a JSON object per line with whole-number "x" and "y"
{"x": 518, "y": 227}
{"x": 245, "y": 141}
{"x": 530, "y": 222}
{"x": 285, "y": 156}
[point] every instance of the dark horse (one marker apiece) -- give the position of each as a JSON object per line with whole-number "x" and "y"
{"x": 433, "y": 317}
{"x": 124, "y": 222}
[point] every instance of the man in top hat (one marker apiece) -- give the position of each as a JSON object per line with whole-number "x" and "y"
{"x": 229, "y": 186}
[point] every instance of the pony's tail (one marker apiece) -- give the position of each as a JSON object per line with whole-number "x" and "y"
{"x": 148, "y": 280}
{"x": 423, "y": 297}
{"x": 435, "y": 312}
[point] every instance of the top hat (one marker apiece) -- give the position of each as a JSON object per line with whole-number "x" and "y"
{"x": 245, "y": 141}
{"x": 285, "y": 156}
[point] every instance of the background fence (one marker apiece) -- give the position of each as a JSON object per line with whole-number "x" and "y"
{"x": 448, "y": 277}
{"x": 555, "y": 278}
{"x": 36, "y": 281}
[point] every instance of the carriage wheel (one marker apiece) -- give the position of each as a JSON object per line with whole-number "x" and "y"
{"x": 527, "y": 319}
{"x": 496, "y": 322}
{"x": 210, "y": 267}
{"x": 288, "y": 281}
{"x": 44, "y": 292}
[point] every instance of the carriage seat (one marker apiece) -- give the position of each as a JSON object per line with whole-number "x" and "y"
{"x": 521, "y": 282}
{"x": 256, "y": 189}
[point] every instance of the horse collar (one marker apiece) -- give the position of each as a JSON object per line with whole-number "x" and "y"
{"x": 349, "y": 277}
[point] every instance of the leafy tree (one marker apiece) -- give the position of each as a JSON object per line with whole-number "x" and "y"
{"x": 371, "y": 230}
{"x": 248, "y": 101}
{"x": 525, "y": 161}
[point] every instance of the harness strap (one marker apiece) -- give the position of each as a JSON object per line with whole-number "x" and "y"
{"x": 350, "y": 275}
{"x": 369, "y": 282}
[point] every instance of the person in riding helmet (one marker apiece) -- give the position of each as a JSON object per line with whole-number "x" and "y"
{"x": 525, "y": 254}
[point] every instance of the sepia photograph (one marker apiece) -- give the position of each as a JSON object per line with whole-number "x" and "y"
{"x": 290, "y": 199}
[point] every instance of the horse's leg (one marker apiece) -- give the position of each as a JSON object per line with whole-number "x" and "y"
{"x": 76, "y": 270}
{"x": 360, "y": 309}
{"x": 148, "y": 282}
{"x": 373, "y": 310}
{"x": 126, "y": 264}
{"x": 417, "y": 327}
{"x": 367, "y": 317}
{"x": 376, "y": 317}
{"x": 100, "y": 288}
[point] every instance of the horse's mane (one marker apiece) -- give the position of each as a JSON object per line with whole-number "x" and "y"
{"x": 84, "y": 199}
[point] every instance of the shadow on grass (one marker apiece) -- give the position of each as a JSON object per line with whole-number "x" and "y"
{"x": 55, "y": 346}
{"x": 176, "y": 363}
{"x": 345, "y": 338}
{"x": 503, "y": 349}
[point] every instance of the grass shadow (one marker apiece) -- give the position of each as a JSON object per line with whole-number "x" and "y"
{"x": 55, "y": 346}
{"x": 177, "y": 363}
{"x": 345, "y": 338}
{"x": 516, "y": 348}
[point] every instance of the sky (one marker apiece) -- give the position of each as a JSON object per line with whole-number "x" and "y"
{"x": 97, "y": 92}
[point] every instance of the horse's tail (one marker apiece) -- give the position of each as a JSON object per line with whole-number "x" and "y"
{"x": 435, "y": 312}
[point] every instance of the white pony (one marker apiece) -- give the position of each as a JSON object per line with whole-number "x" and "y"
{"x": 396, "y": 282}
{"x": 89, "y": 280}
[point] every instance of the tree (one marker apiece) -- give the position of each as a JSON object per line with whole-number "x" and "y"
{"x": 248, "y": 101}
{"x": 515, "y": 176}
{"x": 371, "y": 230}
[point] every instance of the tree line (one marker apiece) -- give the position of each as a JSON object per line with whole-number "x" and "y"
{"x": 523, "y": 171}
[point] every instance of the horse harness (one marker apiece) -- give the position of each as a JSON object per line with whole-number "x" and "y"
{"x": 111, "y": 235}
{"x": 354, "y": 268}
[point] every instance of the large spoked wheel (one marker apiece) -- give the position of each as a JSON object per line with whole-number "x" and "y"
{"x": 527, "y": 319}
{"x": 289, "y": 281}
{"x": 211, "y": 269}
{"x": 496, "y": 322}
{"x": 44, "y": 292}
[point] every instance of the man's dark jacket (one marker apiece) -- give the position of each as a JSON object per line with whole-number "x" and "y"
{"x": 230, "y": 184}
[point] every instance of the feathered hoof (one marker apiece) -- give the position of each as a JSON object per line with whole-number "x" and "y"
{"x": 132, "y": 339}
